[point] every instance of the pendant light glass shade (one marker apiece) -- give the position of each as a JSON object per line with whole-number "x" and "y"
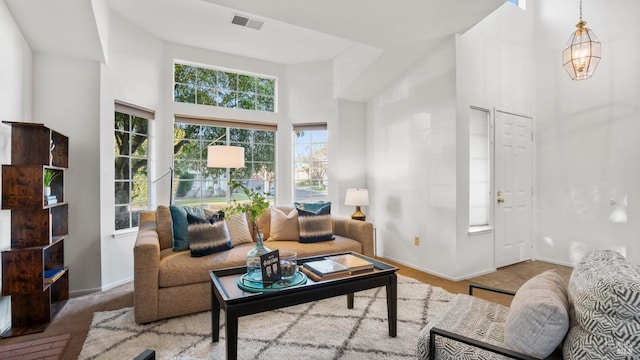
{"x": 582, "y": 53}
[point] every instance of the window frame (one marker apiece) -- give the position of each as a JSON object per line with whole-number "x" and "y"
{"x": 216, "y": 91}
{"x": 232, "y": 129}
{"x": 132, "y": 208}
{"x": 474, "y": 181}
{"x": 312, "y": 144}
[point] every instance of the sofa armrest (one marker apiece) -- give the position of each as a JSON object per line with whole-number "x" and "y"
{"x": 474, "y": 343}
{"x": 146, "y": 268}
{"x": 361, "y": 231}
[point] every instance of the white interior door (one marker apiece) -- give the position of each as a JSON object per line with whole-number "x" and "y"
{"x": 513, "y": 188}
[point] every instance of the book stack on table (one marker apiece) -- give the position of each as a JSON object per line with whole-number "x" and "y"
{"x": 336, "y": 266}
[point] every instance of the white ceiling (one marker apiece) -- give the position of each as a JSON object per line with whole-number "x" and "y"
{"x": 388, "y": 36}
{"x": 298, "y": 31}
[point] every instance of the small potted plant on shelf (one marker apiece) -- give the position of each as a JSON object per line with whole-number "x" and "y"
{"x": 49, "y": 176}
{"x": 254, "y": 208}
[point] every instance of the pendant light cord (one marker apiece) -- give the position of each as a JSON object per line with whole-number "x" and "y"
{"x": 580, "y": 10}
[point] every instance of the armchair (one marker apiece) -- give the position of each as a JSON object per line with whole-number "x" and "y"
{"x": 475, "y": 328}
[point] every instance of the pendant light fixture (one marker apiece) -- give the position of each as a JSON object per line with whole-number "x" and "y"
{"x": 582, "y": 53}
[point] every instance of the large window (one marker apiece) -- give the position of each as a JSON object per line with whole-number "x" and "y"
{"x": 216, "y": 87}
{"x": 479, "y": 168}
{"x": 197, "y": 184}
{"x": 131, "y": 153}
{"x": 310, "y": 162}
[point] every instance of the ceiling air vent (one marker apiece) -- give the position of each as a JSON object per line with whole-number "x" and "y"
{"x": 247, "y": 22}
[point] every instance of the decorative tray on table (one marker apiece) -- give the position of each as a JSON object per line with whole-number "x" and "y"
{"x": 258, "y": 286}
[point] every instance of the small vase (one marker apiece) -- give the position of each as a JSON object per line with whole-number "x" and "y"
{"x": 254, "y": 271}
{"x": 47, "y": 190}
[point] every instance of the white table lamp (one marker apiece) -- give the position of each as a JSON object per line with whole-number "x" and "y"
{"x": 357, "y": 198}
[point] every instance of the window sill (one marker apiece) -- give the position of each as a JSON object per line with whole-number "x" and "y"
{"x": 124, "y": 233}
{"x": 477, "y": 230}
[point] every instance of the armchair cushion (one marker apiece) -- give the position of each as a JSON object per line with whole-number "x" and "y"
{"x": 469, "y": 316}
{"x": 538, "y": 316}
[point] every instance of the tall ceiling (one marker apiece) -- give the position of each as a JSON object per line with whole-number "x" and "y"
{"x": 297, "y": 31}
{"x": 382, "y": 32}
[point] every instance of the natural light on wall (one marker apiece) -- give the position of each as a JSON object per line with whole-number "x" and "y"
{"x": 479, "y": 174}
{"x": 519, "y": 3}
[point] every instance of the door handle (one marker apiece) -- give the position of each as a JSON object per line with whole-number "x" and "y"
{"x": 500, "y": 199}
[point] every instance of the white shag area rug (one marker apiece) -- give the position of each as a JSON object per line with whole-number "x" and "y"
{"x": 324, "y": 329}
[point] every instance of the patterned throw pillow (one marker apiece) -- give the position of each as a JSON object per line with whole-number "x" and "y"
{"x": 239, "y": 229}
{"x": 315, "y": 226}
{"x": 284, "y": 225}
{"x": 538, "y": 316}
{"x": 604, "y": 291}
{"x": 206, "y": 238}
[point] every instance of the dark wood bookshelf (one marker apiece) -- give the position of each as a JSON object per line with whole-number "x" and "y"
{"x": 38, "y": 228}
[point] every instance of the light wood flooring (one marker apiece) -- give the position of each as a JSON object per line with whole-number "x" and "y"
{"x": 75, "y": 318}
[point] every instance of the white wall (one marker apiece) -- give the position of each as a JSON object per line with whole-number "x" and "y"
{"x": 587, "y": 134}
{"x": 348, "y": 154}
{"x": 15, "y": 105}
{"x": 132, "y": 74}
{"x": 66, "y": 97}
{"x": 411, "y": 163}
{"x": 494, "y": 70}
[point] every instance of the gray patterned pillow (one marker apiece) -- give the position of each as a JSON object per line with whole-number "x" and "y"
{"x": 315, "y": 226}
{"x": 604, "y": 291}
{"x": 538, "y": 316}
{"x": 206, "y": 238}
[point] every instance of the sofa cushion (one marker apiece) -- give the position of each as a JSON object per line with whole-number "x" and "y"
{"x": 538, "y": 316}
{"x": 206, "y": 238}
{"x": 604, "y": 292}
{"x": 179, "y": 268}
{"x": 238, "y": 229}
{"x": 315, "y": 225}
{"x": 284, "y": 224}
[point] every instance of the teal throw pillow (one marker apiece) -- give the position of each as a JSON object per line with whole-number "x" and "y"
{"x": 315, "y": 226}
{"x": 180, "y": 224}
{"x": 180, "y": 227}
{"x": 313, "y": 207}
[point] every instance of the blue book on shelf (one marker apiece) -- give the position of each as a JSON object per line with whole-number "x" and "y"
{"x": 52, "y": 275}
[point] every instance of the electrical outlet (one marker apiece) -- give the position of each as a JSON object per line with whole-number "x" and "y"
{"x": 416, "y": 240}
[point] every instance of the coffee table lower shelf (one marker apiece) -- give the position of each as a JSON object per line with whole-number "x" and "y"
{"x": 225, "y": 295}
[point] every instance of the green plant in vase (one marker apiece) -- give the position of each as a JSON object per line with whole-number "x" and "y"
{"x": 47, "y": 179}
{"x": 254, "y": 208}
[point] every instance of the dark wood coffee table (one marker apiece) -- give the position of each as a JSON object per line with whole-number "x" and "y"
{"x": 226, "y": 295}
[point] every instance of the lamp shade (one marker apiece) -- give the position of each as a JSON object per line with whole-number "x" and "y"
{"x": 223, "y": 156}
{"x": 357, "y": 197}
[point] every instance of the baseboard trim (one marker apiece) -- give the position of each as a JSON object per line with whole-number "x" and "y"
{"x": 117, "y": 283}
{"x": 77, "y": 293}
{"x": 554, "y": 261}
{"x": 438, "y": 274}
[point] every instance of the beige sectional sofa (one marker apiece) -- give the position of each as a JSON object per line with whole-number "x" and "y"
{"x": 168, "y": 283}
